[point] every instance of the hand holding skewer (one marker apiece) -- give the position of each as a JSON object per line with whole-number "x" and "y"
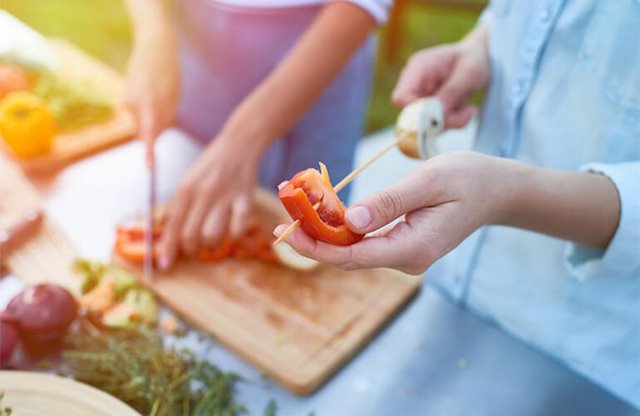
{"x": 417, "y": 124}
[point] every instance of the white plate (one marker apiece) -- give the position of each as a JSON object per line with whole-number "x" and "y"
{"x": 35, "y": 394}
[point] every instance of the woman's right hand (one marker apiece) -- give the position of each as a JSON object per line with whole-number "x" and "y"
{"x": 452, "y": 72}
{"x": 153, "y": 81}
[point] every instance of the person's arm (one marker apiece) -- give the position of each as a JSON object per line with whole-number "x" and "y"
{"x": 152, "y": 85}
{"x": 214, "y": 197}
{"x": 315, "y": 61}
{"x": 452, "y": 195}
{"x": 575, "y": 206}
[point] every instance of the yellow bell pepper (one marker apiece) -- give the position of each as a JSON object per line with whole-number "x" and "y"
{"x": 27, "y": 124}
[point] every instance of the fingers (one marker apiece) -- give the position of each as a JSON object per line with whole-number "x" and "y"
{"x": 390, "y": 250}
{"x": 215, "y": 225}
{"x": 414, "y": 82}
{"x": 445, "y": 72}
{"x": 423, "y": 74}
{"x": 240, "y": 209}
{"x": 453, "y": 94}
{"x": 194, "y": 219}
{"x": 389, "y": 204}
{"x": 406, "y": 90}
{"x": 459, "y": 118}
{"x": 169, "y": 245}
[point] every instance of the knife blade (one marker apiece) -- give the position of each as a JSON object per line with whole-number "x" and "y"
{"x": 148, "y": 253}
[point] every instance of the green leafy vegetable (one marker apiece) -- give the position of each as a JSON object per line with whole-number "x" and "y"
{"x": 74, "y": 105}
{"x": 91, "y": 273}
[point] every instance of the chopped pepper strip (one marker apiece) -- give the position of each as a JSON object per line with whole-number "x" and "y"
{"x": 309, "y": 197}
{"x": 254, "y": 244}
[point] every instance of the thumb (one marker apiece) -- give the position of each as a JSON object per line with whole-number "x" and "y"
{"x": 385, "y": 206}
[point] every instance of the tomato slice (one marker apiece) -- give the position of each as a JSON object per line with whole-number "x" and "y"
{"x": 326, "y": 223}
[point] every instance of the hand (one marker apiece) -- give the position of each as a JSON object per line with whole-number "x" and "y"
{"x": 152, "y": 85}
{"x": 214, "y": 199}
{"x": 442, "y": 202}
{"x": 451, "y": 72}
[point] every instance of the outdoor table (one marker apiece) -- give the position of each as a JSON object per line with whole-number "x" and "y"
{"x": 434, "y": 358}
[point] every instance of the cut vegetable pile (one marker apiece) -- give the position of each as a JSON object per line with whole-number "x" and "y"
{"x": 35, "y": 105}
{"x": 254, "y": 244}
{"x": 113, "y": 298}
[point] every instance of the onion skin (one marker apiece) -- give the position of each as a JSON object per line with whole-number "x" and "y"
{"x": 43, "y": 313}
{"x": 8, "y": 338}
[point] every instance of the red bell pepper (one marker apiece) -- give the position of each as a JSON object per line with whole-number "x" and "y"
{"x": 326, "y": 223}
{"x": 254, "y": 244}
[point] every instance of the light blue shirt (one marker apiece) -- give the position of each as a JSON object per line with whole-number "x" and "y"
{"x": 564, "y": 94}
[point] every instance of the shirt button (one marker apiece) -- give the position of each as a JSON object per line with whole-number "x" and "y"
{"x": 517, "y": 87}
{"x": 545, "y": 15}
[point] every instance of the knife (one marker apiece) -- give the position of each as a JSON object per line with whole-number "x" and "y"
{"x": 148, "y": 252}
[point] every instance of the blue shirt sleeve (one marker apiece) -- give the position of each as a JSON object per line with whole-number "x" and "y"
{"x": 622, "y": 257}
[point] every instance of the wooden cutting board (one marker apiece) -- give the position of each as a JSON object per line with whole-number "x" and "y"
{"x": 76, "y": 65}
{"x": 46, "y": 256}
{"x": 297, "y": 327}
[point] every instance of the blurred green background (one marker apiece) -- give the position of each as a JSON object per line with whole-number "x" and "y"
{"x": 101, "y": 27}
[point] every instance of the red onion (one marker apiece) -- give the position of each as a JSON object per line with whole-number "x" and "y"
{"x": 8, "y": 338}
{"x": 43, "y": 313}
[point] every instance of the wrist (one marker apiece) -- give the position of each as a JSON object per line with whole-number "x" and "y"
{"x": 475, "y": 40}
{"x": 513, "y": 187}
{"x": 234, "y": 141}
{"x": 249, "y": 138}
{"x": 150, "y": 36}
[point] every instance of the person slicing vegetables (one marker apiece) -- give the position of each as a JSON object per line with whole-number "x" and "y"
{"x": 278, "y": 84}
{"x": 541, "y": 233}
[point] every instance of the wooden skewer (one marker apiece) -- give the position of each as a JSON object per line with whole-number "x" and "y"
{"x": 344, "y": 182}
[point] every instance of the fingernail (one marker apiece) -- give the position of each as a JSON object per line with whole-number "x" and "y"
{"x": 279, "y": 230}
{"x": 359, "y": 217}
{"x": 164, "y": 262}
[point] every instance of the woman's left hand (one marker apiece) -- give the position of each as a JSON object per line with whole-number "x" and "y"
{"x": 452, "y": 195}
{"x": 213, "y": 200}
{"x": 442, "y": 202}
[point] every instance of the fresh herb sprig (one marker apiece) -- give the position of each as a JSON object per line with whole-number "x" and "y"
{"x": 137, "y": 368}
{"x": 4, "y": 410}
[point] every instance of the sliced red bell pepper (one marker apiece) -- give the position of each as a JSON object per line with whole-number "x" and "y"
{"x": 326, "y": 223}
{"x": 132, "y": 248}
{"x": 254, "y": 244}
{"x": 216, "y": 254}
